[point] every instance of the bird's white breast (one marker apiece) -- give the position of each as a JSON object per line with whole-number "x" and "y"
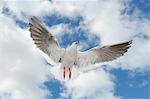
{"x": 69, "y": 57}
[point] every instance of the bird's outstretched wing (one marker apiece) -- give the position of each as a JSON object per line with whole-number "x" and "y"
{"x": 44, "y": 40}
{"x": 103, "y": 54}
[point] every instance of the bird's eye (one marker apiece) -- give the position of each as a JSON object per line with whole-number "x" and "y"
{"x": 76, "y": 43}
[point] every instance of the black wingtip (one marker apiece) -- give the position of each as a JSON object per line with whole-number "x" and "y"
{"x": 130, "y": 42}
{"x": 34, "y": 18}
{"x": 30, "y": 24}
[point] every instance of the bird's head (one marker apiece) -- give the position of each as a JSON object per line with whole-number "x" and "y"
{"x": 75, "y": 43}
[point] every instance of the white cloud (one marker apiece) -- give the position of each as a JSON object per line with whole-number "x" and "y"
{"x": 22, "y": 68}
{"x": 25, "y": 9}
{"x": 96, "y": 84}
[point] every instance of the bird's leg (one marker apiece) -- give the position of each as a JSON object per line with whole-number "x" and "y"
{"x": 69, "y": 73}
{"x": 64, "y": 72}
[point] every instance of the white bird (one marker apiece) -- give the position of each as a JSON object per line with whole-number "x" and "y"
{"x": 69, "y": 57}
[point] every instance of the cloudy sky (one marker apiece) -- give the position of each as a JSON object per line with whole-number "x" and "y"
{"x": 26, "y": 73}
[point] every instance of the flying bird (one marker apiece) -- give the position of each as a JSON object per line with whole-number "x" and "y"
{"x": 69, "y": 57}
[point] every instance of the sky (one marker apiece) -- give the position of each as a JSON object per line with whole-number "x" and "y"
{"x": 27, "y": 73}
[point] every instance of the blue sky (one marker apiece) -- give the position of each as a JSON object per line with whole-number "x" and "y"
{"x": 129, "y": 84}
{"x": 128, "y": 87}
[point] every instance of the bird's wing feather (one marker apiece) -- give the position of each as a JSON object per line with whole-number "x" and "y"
{"x": 44, "y": 40}
{"x": 103, "y": 54}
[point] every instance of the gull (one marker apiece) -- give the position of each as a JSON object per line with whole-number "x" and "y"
{"x": 70, "y": 56}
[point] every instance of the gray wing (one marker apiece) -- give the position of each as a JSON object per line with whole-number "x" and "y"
{"x": 103, "y": 54}
{"x": 44, "y": 40}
